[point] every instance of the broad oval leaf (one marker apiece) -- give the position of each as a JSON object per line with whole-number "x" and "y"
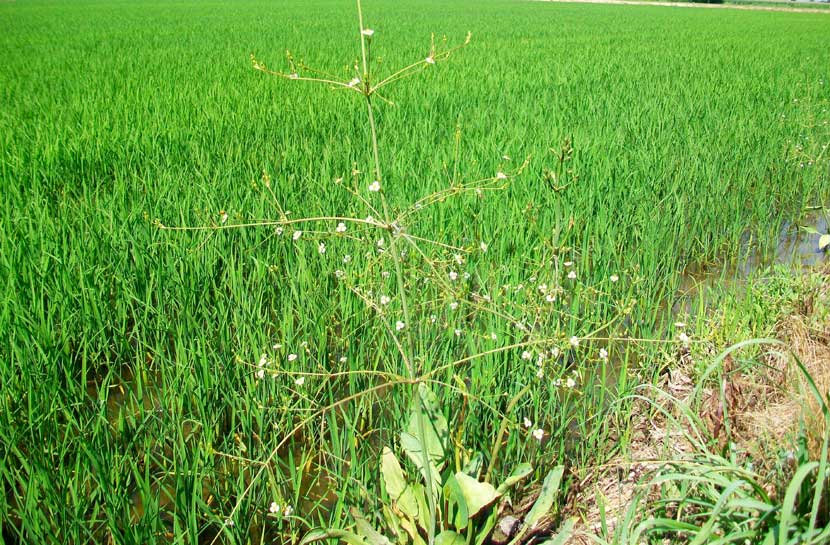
{"x": 448, "y": 537}
{"x": 392, "y": 473}
{"x": 521, "y": 471}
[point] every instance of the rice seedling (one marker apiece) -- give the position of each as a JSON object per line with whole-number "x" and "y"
{"x": 146, "y": 376}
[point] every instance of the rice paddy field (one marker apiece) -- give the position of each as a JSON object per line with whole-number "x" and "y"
{"x": 552, "y": 183}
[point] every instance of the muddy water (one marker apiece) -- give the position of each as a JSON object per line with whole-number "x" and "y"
{"x": 796, "y": 247}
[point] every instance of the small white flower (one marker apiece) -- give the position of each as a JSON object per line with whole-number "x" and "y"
{"x": 386, "y": 274}
{"x": 570, "y": 383}
{"x": 229, "y": 523}
{"x": 321, "y": 247}
{"x": 292, "y": 357}
{"x": 493, "y": 336}
{"x": 568, "y": 263}
{"x": 341, "y": 227}
{"x": 263, "y": 360}
{"x": 260, "y": 374}
{"x": 384, "y": 300}
{"x": 527, "y": 422}
{"x": 297, "y": 235}
{"x": 527, "y": 356}
{"x": 433, "y": 318}
{"x": 483, "y": 246}
{"x": 453, "y": 305}
{"x": 279, "y": 230}
{"x": 453, "y": 275}
{"x": 540, "y": 372}
{"x": 381, "y": 242}
{"x": 347, "y": 258}
{"x": 554, "y": 352}
{"x": 501, "y": 175}
{"x": 458, "y": 259}
{"x": 276, "y": 346}
{"x": 367, "y": 32}
{"x": 679, "y": 325}
{"x": 557, "y": 382}
{"x": 288, "y": 511}
{"x": 339, "y": 274}
{"x": 683, "y": 338}
{"x": 550, "y": 298}
{"x": 399, "y": 325}
{"x": 603, "y": 354}
{"x": 370, "y": 219}
{"x": 538, "y": 434}
{"x": 223, "y": 216}
{"x": 429, "y": 60}
{"x": 574, "y": 341}
{"x": 542, "y": 288}
{"x": 572, "y": 275}
{"x": 614, "y": 278}
{"x": 354, "y": 82}
{"x": 274, "y": 507}
{"x": 467, "y": 276}
{"x": 299, "y": 381}
{"x": 374, "y": 187}
{"x": 457, "y": 332}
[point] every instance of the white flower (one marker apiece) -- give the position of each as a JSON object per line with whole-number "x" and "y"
{"x": 429, "y": 60}
{"x": 263, "y": 360}
{"x": 614, "y": 278}
{"x": 453, "y": 305}
{"x": 384, "y": 300}
{"x": 538, "y": 434}
{"x": 367, "y": 32}
{"x": 568, "y": 263}
{"x": 527, "y": 356}
{"x": 467, "y": 276}
{"x": 297, "y": 235}
{"x": 370, "y": 219}
{"x": 386, "y": 274}
{"x": 453, "y": 275}
{"x": 279, "y": 230}
{"x": 483, "y": 246}
{"x": 572, "y": 275}
{"x": 683, "y": 338}
{"x": 528, "y": 422}
{"x": 540, "y": 372}
{"x": 341, "y": 227}
{"x": 381, "y": 242}
{"x": 457, "y": 332}
{"x": 603, "y": 354}
{"x": 276, "y": 346}
{"x": 292, "y": 357}
{"x": 554, "y": 352}
{"x": 260, "y": 374}
{"x": 433, "y": 318}
{"x": 299, "y": 381}
{"x": 501, "y": 176}
{"x": 288, "y": 511}
{"x": 542, "y": 288}
{"x": 347, "y": 258}
{"x": 679, "y": 325}
{"x": 570, "y": 383}
{"x": 458, "y": 259}
{"x": 229, "y": 523}
{"x": 354, "y": 82}
{"x": 339, "y": 274}
{"x": 223, "y": 217}
{"x": 574, "y": 341}
{"x": 557, "y": 382}
{"x": 374, "y": 186}
{"x": 399, "y": 325}
{"x": 321, "y": 247}
{"x": 550, "y": 298}
{"x": 274, "y": 507}
{"x": 493, "y": 336}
